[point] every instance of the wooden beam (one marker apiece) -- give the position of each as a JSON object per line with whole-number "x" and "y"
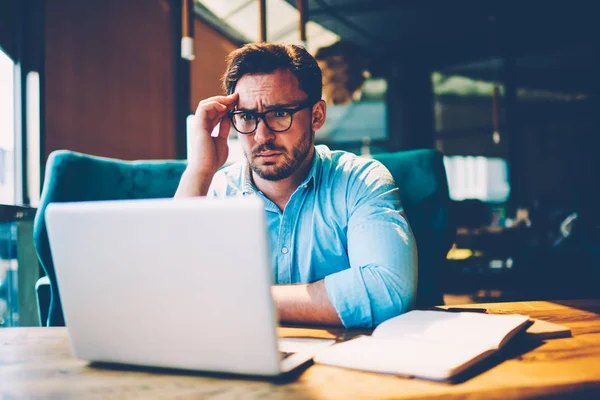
{"x": 262, "y": 14}
{"x": 185, "y": 18}
{"x": 187, "y": 30}
{"x": 301, "y": 5}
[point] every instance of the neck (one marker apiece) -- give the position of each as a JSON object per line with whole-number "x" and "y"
{"x": 279, "y": 192}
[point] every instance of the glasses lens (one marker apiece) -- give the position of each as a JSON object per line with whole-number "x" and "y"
{"x": 278, "y": 120}
{"x": 244, "y": 122}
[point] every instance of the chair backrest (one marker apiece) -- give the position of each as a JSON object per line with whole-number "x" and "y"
{"x": 73, "y": 176}
{"x": 421, "y": 177}
{"x": 70, "y": 176}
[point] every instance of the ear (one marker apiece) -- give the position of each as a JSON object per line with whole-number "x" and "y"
{"x": 319, "y": 113}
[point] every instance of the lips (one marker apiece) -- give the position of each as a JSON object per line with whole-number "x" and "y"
{"x": 269, "y": 154}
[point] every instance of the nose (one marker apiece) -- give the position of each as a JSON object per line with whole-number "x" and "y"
{"x": 263, "y": 134}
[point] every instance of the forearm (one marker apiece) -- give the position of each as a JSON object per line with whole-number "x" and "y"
{"x": 305, "y": 303}
{"x": 193, "y": 183}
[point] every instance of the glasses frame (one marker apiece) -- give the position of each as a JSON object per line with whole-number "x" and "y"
{"x": 261, "y": 115}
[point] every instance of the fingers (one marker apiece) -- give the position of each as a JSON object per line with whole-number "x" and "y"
{"x": 214, "y": 109}
{"x": 229, "y": 101}
{"x": 212, "y": 112}
{"x": 224, "y": 128}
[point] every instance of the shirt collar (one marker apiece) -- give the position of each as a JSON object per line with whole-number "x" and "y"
{"x": 249, "y": 188}
{"x": 247, "y": 185}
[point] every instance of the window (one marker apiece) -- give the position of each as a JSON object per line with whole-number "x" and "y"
{"x": 481, "y": 178}
{"x": 7, "y": 130}
{"x": 282, "y": 22}
{"x": 32, "y": 113}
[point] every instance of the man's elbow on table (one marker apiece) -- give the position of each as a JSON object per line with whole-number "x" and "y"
{"x": 395, "y": 295}
{"x": 369, "y": 295}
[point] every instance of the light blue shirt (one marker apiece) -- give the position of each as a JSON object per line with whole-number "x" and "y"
{"x": 344, "y": 224}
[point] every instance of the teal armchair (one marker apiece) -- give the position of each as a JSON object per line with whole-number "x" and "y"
{"x": 72, "y": 176}
{"x": 421, "y": 179}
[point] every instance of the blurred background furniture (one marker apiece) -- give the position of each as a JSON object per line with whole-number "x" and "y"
{"x": 72, "y": 176}
{"x": 19, "y": 267}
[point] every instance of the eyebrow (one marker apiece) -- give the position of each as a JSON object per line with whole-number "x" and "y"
{"x": 271, "y": 107}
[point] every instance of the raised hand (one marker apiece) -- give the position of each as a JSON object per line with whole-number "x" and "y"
{"x": 209, "y": 152}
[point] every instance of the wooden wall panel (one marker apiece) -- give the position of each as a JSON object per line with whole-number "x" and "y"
{"x": 211, "y": 49}
{"x": 109, "y": 73}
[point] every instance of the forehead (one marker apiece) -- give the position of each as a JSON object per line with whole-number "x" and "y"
{"x": 278, "y": 87}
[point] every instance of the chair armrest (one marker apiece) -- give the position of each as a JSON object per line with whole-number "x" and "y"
{"x": 43, "y": 295}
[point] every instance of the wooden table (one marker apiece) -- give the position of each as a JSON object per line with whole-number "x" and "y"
{"x": 37, "y": 363}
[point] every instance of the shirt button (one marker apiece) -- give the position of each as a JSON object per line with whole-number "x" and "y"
{"x": 284, "y": 250}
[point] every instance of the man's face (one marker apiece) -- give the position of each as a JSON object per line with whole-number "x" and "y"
{"x": 277, "y": 155}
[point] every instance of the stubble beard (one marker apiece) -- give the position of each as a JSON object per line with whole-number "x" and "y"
{"x": 288, "y": 166}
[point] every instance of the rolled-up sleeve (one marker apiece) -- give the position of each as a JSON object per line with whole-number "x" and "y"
{"x": 382, "y": 279}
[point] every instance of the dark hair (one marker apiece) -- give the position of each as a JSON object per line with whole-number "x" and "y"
{"x": 265, "y": 58}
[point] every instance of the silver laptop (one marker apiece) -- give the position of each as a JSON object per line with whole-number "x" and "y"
{"x": 182, "y": 284}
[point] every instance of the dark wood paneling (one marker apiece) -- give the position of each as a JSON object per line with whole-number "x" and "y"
{"x": 109, "y": 78}
{"x": 211, "y": 49}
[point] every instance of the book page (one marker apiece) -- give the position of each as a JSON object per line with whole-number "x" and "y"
{"x": 302, "y": 344}
{"x": 547, "y": 330}
{"x": 405, "y": 357}
{"x": 455, "y": 327}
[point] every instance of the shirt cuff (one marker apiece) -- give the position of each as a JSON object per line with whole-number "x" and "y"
{"x": 348, "y": 294}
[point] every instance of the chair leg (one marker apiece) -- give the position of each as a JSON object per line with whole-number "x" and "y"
{"x": 43, "y": 295}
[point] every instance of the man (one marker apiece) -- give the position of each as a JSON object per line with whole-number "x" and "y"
{"x": 342, "y": 251}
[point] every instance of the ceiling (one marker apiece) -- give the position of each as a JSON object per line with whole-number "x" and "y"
{"x": 240, "y": 18}
{"x": 553, "y": 44}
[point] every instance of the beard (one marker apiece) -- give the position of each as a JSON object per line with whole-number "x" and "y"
{"x": 282, "y": 169}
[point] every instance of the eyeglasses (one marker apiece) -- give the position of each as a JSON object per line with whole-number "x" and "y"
{"x": 277, "y": 120}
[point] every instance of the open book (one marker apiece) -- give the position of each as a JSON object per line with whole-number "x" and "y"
{"x": 426, "y": 344}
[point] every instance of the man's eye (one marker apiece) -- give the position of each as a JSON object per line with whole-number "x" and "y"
{"x": 280, "y": 114}
{"x": 247, "y": 117}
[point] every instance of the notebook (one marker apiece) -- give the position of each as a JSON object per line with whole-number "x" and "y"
{"x": 433, "y": 345}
